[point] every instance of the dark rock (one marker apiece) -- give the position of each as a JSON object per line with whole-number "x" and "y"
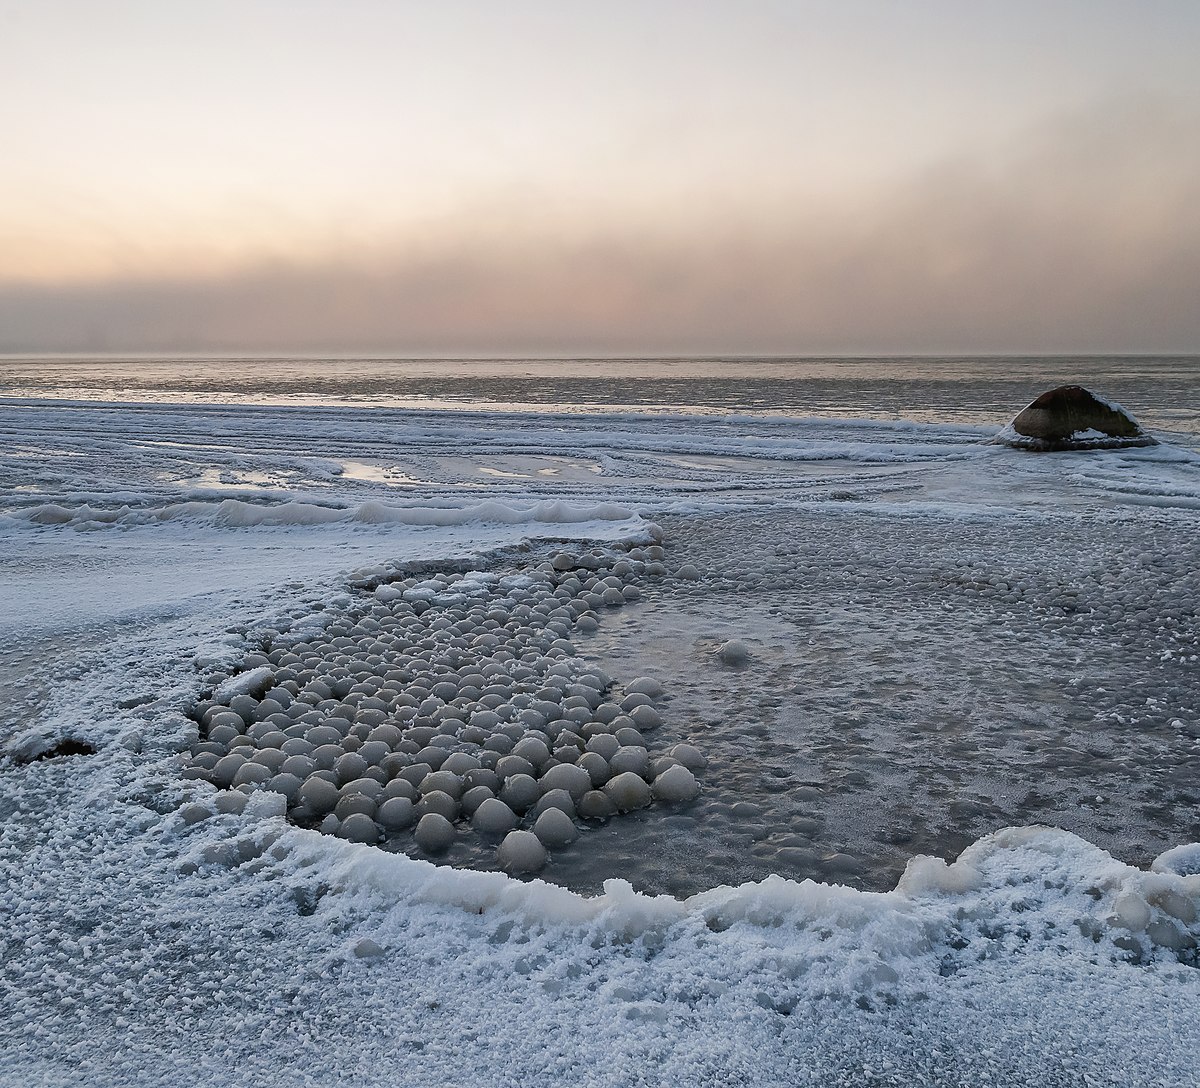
{"x": 1073, "y": 418}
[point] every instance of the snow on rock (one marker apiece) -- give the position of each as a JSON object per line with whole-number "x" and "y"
{"x": 733, "y": 652}
{"x": 1071, "y": 417}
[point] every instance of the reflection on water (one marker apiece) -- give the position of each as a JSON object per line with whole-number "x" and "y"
{"x": 1161, "y": 390}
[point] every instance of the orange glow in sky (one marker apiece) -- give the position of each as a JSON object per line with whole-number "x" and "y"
{"x": 576, "y": 177}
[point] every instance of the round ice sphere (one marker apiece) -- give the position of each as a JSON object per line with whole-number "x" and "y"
{"x": 319, "y": 794}
{"x": 533, "y": 750}
{"x": 493, "y": 817}
{"x": 575, "y": 780}
{"x": 596, "y": 805}
{"x": 644, "y": 685}
{"x": 604, "y": 745}
{"x": 358, "y": 827}
{"x": 322, "y": 734}
{"x": 459, "y": 763}
{"x": 227, "y": 769}
{"x": 439, "y": 802}
{"x": 629, "y": 758}
{"x": 350, "y": 803}
{"x": 645, "y": 717}
{"x": 386, "y": 733}
{"x": 474, "y": 797}
{"x": 555, "y": 828}
{"x": 692, "y": 758}
{"x": 444, "y": 782}
{"x": 287, "y": 784}
{"x": 223, "y": 734}
{"x": 521, "y": 852}
{"x": 350, "y": 766}
{"x": 399, "y": 787}
{"x": 481, "y": 776}
{"x": 519, "y": 792}
{"x": 271, "y": 758}
{"x": 559, "y": 799}
{"x": 326, "y": 756}
{"x": 396, "y": 813}
{"x": 433, "y": 755}
{"x": 734, "y": 652}
{"x": 675, "y": 785}
{"x": 514, "y": 765}
{"x": 596, "y": 767}
{"x": 299, "y": 765}
{"x": 373, "y": 751}
{"x": 627, "y": 791}
{"x": 434, "y": 833}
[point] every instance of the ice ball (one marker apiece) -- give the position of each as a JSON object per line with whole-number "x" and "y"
{"x": 521, "y": 852}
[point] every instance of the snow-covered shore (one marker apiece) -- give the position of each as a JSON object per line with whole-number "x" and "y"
{"x": 142, "y": 545}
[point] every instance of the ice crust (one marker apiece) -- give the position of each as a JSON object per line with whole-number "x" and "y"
{"x": 160, "y": 930}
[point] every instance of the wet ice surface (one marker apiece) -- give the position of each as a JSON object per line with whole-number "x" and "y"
{"x": 911, "y": 686}
{"x": 895, "y": 694}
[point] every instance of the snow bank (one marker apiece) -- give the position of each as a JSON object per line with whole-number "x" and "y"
{"x": 237, "y": 513}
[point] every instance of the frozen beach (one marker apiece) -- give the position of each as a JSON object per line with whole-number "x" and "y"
{"x": 887, "y": 643}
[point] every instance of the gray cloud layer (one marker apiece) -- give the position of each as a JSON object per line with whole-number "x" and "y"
{"x": 1083, "y": 236}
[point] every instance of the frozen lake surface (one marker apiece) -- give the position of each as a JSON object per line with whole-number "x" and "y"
{"x": 932, "y": 648}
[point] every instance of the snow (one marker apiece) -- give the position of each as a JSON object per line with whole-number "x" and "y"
{"x": 161, "y": 930}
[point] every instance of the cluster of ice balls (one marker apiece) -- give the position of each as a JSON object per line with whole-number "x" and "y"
{"x": 449, "y": 703}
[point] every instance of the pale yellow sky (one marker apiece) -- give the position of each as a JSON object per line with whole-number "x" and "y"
{"x": 569, "y": 176}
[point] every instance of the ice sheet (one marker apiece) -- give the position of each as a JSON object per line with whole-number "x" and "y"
{"x": 141, "y": 947}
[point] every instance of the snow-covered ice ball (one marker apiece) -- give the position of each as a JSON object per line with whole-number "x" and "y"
{"x": 566, "y": 776}
{"x": 690, "y": 757}
{"x": 734, "y": 652}
{"x": 628, "y": 791}
{"x": 596, "y": 805}
{"x": 493, "y": 817}
{"x": 555, "y": 828}
{"x": 319, "y": 794}
{"x": 675, "y": 785}
{"x": 521, "y": 852}
{"x": 358, "y": 827}
{"x": 434, "y": 833}
{"x": 396, "y": 813}
{"x": 688, "y": 572}
{"x": 629, "y": 758}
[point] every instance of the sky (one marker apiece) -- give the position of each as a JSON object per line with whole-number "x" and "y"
{"x": 560, "y": 177}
